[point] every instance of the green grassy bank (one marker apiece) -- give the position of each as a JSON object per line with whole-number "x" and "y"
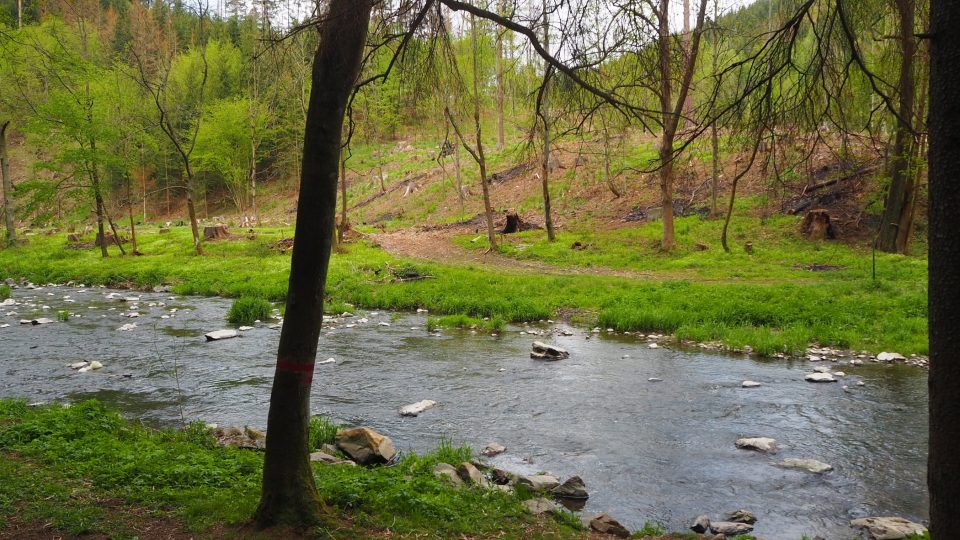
{"x": 84, "y": 470}
{"x": 767, "y": 300}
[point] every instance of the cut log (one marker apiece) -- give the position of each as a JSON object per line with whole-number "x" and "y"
{"x": 216, "y": 232}
{"x": 817, "y": 226}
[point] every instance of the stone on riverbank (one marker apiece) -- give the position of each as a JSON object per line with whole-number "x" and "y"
{"x": 889, "y": 528}
{"x": 415, "y": 409}
{"x": 543, "y": 351}
{"x": 605, "y": 524}
{"x": 573, "y": 488}
{"x": 470, "y": 474}
{"x": 701, "y": 524}
{"x": 447, "y": 472}
{"x": 539, "y": 507}
{"x": 240, "y": 438}
{"x": 758, "y": 444}
{"x": 539, "y": 482}
{"x": 327, "y": 458}
{"x": 218, "y": 335}
{"x": 890, "y": 357}
{"x": 365, "y": 446}
{"x": 810, "y": 465}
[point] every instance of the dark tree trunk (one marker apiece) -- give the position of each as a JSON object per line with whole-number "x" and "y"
{"x": 289, "y": 494}
{"x": 943, "y": 477}
{"x": 11, "y": 236}
{"x": 894, "y": 224}
{"x": 545, "y": 113}
{"x": 98, "y": 201}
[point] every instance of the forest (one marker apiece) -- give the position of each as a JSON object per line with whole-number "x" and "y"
{"x": 645, "y": 186}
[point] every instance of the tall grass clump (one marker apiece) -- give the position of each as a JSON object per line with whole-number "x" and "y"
{"x": 247, "y": 309}
{"x": 322, "y": 431}
{"x": 4, "y": 292}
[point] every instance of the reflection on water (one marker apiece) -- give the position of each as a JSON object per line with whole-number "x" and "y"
{"x": 659, "y": 451}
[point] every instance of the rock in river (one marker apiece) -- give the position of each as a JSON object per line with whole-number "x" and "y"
{"x": 810, "y": 465}
{"x": 742, "y": 516}
{"x": 819, "y": 377}
{"x": 493, "y": 449}
{"x": 543, "y": 351}
{"x": 750, "y": 384}
{"x": 730, "y": 528}
{"x": 217, "y": 335}
{"x": 415, "y": 409}
{"x": 365, "y": 446}
{"x": 759, "y": 444}
{"x": 573, "y": 488}
{"x": 889, "y": 528}
{"x": 890, "y": 357}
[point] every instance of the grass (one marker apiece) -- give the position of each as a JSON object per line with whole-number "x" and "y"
{"x": 58, "y": 465}
{"x": 465, "y": 322}
{"x": 248, "y": 309}
{"x": 322, "y": 431}
{"x": 4, "y": 292}
{"x": 762, "y": 300}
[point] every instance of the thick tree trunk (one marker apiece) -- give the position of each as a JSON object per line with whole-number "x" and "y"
{"x": 289, "y": 495}
{"x": 11, "y": 235}
{"x": 894, "y": 224}
{"x": 943, "y": 471}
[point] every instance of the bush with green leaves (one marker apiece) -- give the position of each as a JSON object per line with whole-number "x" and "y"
{"x": 247, "y": 309}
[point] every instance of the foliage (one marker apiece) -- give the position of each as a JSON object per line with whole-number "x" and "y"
{"x": 322, "y": 431}
{"x": 248, "y": 309}
{"x": 4, "y": 292}
{"x": 78, "y": 454}
{"x": 780, "y": 308}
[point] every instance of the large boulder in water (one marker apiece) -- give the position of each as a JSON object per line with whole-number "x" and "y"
{"x": 544, "y": 351}
{"x": 365, "y": 446}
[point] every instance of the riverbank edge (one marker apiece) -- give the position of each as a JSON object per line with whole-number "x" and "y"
{"x": 82, "y": 469}
{"x": 767, "y": 318}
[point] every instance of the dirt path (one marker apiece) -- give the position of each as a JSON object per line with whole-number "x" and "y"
{"x": 437, "y": 246}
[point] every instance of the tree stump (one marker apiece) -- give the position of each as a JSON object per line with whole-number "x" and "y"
{"x": 817, "y": 226}
{"x": 513, "y": 224}
{"x": 216, "y": 232}
{"x": 111, "y": 241}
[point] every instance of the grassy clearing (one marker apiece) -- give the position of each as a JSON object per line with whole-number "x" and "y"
{"x": 465, "y": 322}
{"x": 77, "y": 455}
{"x": 761, "y": 300}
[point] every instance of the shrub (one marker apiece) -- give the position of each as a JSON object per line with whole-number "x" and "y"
{"x": 246, "y": 310}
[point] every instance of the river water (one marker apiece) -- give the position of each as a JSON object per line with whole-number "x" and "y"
{"x": 648, "y": 451}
